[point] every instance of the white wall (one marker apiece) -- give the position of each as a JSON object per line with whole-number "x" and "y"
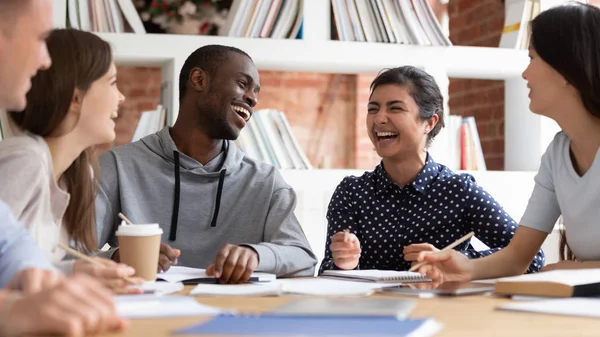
{"x": 315, "y": 187}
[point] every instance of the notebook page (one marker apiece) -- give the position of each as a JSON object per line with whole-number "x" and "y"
{"x": 327, "y": 287}
{"x": 587, "y": 307}
{"x": 569, "y": 277}
{"x": 373, "y": 274}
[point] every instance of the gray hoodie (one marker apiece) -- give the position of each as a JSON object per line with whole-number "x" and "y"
{"x": 232, "y": 199}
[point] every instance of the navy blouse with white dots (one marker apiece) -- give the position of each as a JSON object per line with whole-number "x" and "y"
{"x": 438, "y": 207}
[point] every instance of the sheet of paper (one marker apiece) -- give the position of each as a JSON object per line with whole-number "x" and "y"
{"x": 150, "y": 306}
{"x": 569, "y": 277}
{"x": 269, "y": 289}
{"x": 160, "y": 288}
{"x": 587, "y": 307}
{"x": 179, "y": 273}
{"x": 328, "y": 287}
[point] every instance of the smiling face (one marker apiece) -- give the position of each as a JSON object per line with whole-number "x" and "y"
{"x": 230, "y": 96}
{"x": 393, "y": 122}
{"x": 547, "y": 87}
{"x": 23, "y": 51}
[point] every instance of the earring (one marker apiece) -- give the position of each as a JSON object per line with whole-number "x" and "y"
{"x": 427, "y": 130}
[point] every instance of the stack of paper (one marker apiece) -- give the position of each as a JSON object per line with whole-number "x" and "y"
{"x": 147, "y": 306}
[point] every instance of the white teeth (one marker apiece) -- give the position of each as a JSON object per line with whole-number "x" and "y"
{"x": 386, "y": 134}
{"x": 244, "y": 112}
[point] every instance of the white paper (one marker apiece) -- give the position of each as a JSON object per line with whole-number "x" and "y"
{"x": 269, "y": 289}
{"x": 159, "y": 288}
{"x": 327, "y": 287}
{"x": 587, "y": 307}
{"x": 178, "y": 274}
{"x": 150, "y": 306}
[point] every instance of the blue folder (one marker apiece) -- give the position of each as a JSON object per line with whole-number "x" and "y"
{"x": 269, "y": 325}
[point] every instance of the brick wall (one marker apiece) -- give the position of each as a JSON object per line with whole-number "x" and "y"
{"x": 479, "y": 23}
{"x": 300, "y": 95}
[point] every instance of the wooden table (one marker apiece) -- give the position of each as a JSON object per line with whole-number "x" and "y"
{"x": 467, "y": 316}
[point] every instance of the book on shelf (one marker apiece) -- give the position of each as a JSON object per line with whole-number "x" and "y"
{"x": 268, "y": 137}
{"x": 518, "y": 15}
{"x": 150, "y": 122}
{"x": 555, "y": 283}
{"x": 391, "y": 21}
{"x": 458, "y": 147}
{"x": 276, "y": 19}
{"x": 104, "y": 16}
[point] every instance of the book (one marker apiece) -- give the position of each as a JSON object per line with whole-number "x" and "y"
{"x": 189, "y": 275}
{"x": 397, "y": 308}
{"x": 277, "y": 325}
{"x": 585, "y": 307}
{"x": 380, "y": 276}
{"x": 556, "y": 283}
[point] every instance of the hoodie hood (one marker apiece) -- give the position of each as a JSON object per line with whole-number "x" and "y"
{"x": 163, "y": 145}
{"x": 223, "y": 164}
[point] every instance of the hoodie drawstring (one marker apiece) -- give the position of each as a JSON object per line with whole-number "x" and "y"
{"x": 176, "y": 194}
{"x": 213, "y": 223}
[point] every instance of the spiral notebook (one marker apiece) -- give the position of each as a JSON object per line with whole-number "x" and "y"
{"x": 380, "y": 276}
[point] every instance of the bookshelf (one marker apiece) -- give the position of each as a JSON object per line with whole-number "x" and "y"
{"x": 526, "y": 135}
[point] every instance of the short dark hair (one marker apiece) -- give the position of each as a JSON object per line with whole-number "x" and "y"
{"x": 422, "y": 88}
{"x": 208, "y": 58}
{"x": 567, "y": 37}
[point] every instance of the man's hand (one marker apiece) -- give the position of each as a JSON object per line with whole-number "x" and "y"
{"x": 233, "y": 264}
{"x": 562, "y": 265}
{"x": 110, "y": 274}
{"x": 77, "y": 306}
{"x": 345, "y": 250}
{"x": 34, "y": 280}
{"x": 167, "y": 257}
{"x": 411, "y": 252}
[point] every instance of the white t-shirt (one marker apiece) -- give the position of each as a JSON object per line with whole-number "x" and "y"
{"x": 560, "y": 190}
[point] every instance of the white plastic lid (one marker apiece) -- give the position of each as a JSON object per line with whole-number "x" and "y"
{"x": 139, "y": 230}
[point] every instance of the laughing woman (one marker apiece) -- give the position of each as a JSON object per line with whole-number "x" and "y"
{"x": 409, "y": 203}
{"x": 48, "y": 174}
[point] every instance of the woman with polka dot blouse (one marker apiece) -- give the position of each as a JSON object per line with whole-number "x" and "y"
{"x": 409, "y": 203}
{"x": 564, "y": 78}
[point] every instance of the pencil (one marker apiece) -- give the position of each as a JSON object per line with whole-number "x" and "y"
{"x": 90, "y": 260}
{"x": 450, "y": 246}
{"x": 124, "y": 218}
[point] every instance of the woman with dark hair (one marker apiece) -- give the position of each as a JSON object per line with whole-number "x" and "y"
{"x": 48, "y": 173}
{"x": 409, "y": 203}
{"x": 564, "y": 80}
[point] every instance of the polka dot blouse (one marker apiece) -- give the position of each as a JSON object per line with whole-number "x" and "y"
{"x": 438, "y": 207}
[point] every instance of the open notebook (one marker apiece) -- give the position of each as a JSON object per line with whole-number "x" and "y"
{"x": 381, "y": 276}
{"x": 189, "y": 275}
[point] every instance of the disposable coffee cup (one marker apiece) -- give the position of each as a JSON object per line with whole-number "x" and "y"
{"x": 139, "y": 246}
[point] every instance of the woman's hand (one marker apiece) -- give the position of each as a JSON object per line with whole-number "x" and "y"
{"x": 110, "y": 274}
{"x": 345, "y": 250}
{"x": 446, "y": 266}
{"x": 411, "y": 252}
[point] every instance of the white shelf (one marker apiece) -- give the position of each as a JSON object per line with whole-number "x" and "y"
{"x": 324, "y": 56}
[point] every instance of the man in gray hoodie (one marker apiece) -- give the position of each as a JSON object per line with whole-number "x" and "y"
{"x": 222, "y": 210}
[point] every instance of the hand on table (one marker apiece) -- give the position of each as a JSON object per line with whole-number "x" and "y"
{"x": 76, "y": 306}
{"x": 110, "y": 274}
{"x": 233, "y": 264}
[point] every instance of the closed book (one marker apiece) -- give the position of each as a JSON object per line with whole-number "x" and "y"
{"x": 556, "y": 283}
